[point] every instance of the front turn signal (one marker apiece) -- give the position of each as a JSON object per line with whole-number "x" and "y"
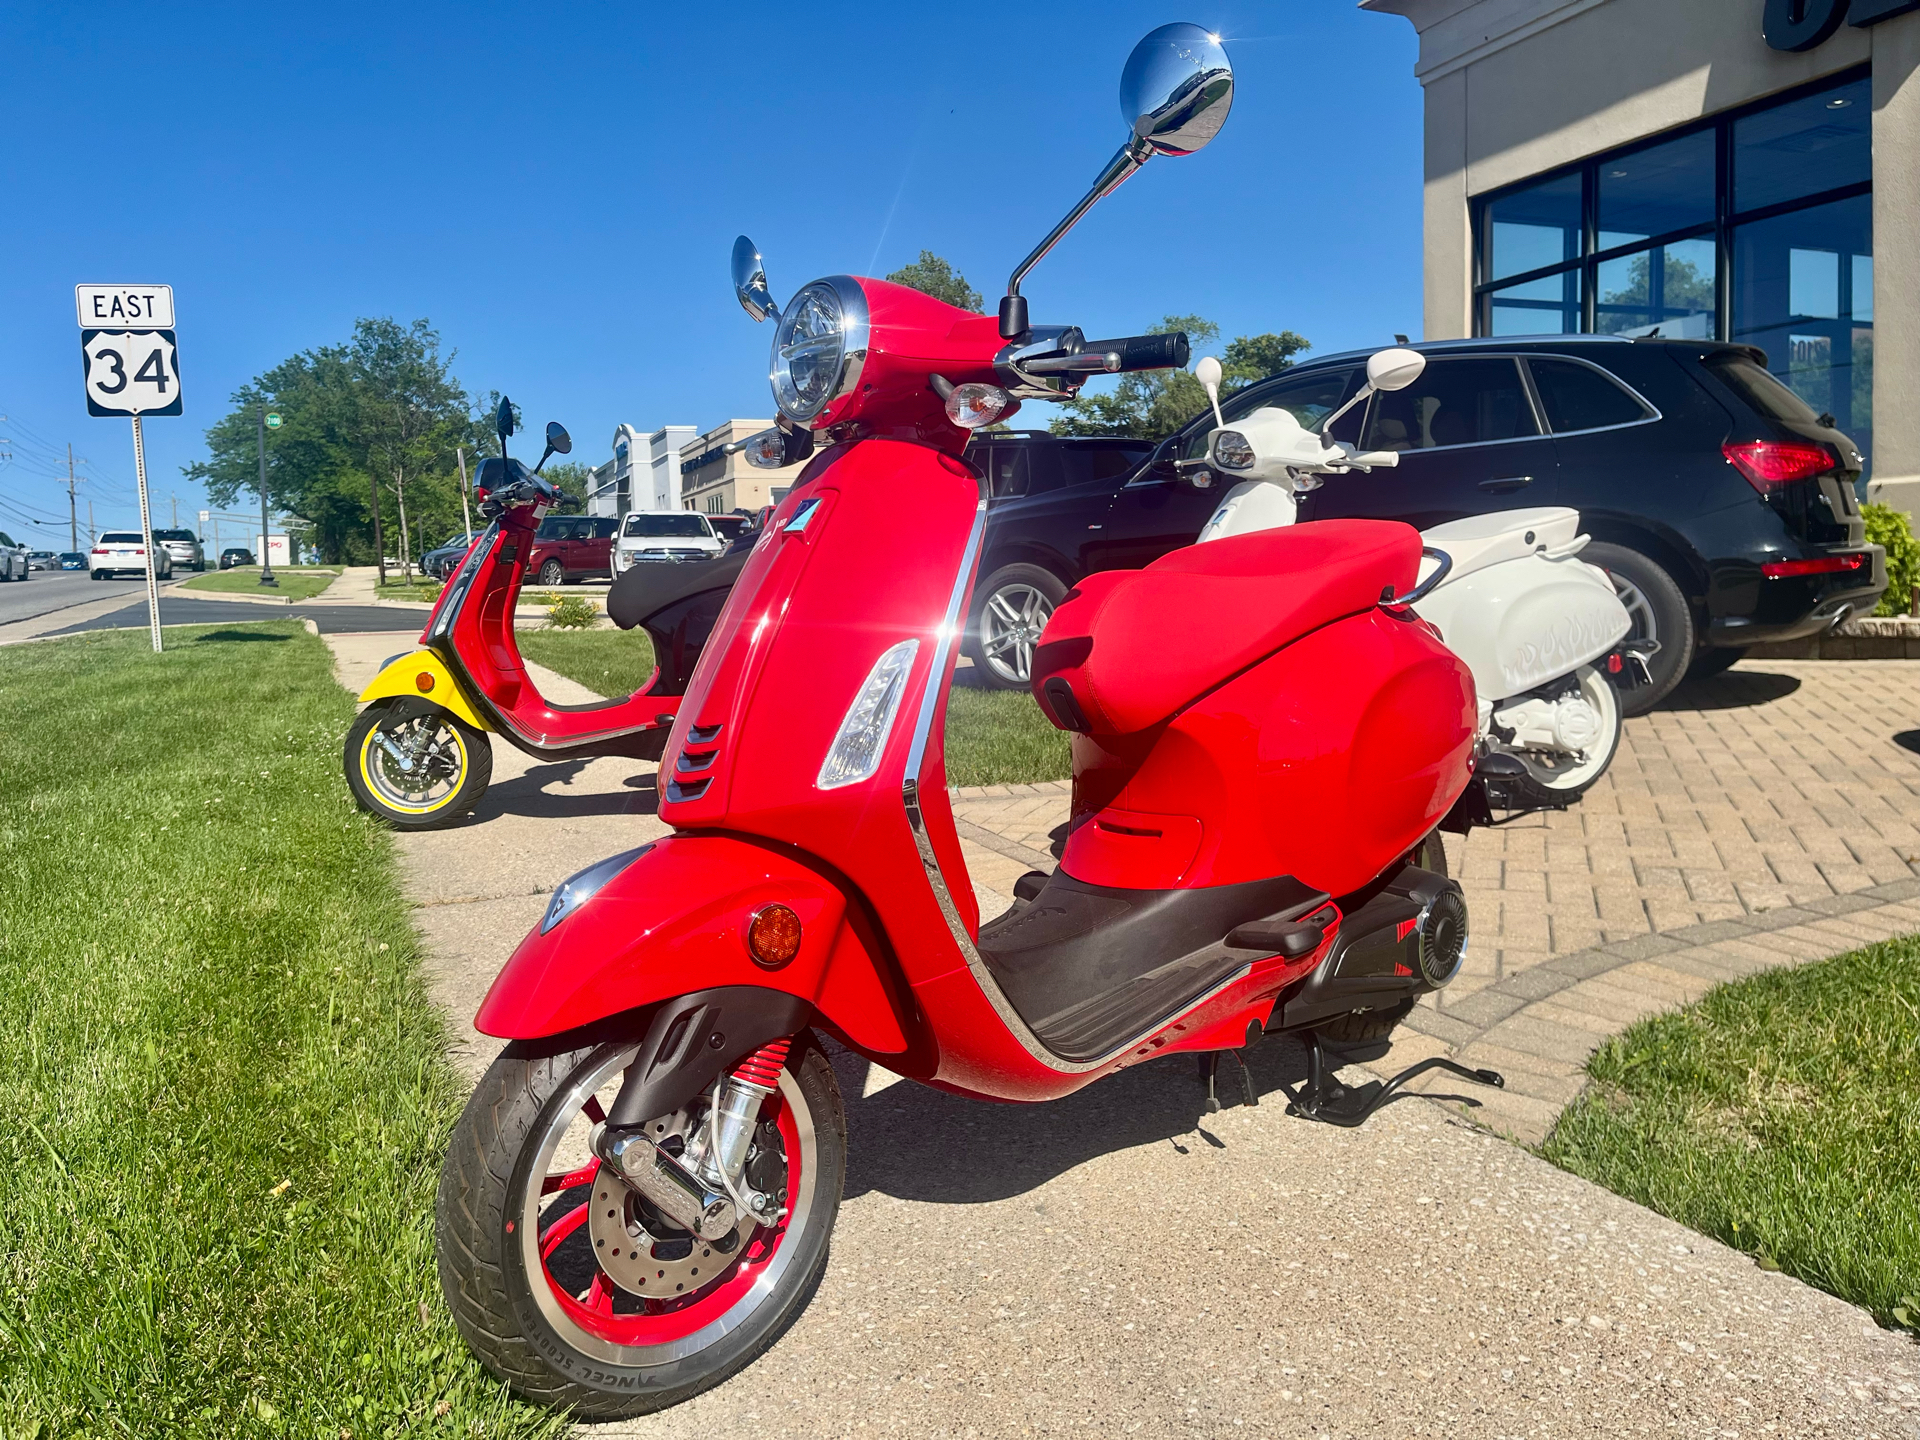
{"x": 773, "y": 936}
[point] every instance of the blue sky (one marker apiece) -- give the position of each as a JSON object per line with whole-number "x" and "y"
{"x": 556, "y": 188}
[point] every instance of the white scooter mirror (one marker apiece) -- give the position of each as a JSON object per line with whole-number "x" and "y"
{"x": 1394, "y": 369}
{"x": 1208, "y": 373}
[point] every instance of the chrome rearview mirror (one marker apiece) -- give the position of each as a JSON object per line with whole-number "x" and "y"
{"x": 1394, "y": 369}
{"x": 750, "y": 280}
{"x": 1176, "y": 90}
{"x": 1175, "y": 93}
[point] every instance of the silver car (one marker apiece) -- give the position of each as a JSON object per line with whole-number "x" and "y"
{"x": 183, "y": 546}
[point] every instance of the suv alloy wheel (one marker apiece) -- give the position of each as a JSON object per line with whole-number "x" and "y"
{"x": 1014, "y": 605}
{"x": 1658, "y": 610}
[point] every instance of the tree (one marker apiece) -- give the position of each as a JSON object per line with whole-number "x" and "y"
{"x": 1152, "y": 404}
{"x": 572, "y": 480}
{"x": 931, "y": 275}
{"x": 376, "y": 417}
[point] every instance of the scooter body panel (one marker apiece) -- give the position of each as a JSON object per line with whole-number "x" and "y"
{"x": 676, "y": 919}
{"x": 401, "y": 677}
{"x": 1323, "y": 762}
{"x": 1520, "y": 623}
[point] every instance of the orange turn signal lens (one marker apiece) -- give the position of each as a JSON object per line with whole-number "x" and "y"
{"x": 773, "y": 936}
{"x": 424, "y": 680}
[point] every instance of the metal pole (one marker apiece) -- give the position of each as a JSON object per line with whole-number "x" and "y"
{"x": 466, "y": 515}
{"x": 266, "y": 534}
{"x": 146, "y": 534}
{"x": 73, "y": 513}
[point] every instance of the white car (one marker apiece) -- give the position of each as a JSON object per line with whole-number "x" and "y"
{"x": 124, "y": 552}
{"x": 673, "y": 536}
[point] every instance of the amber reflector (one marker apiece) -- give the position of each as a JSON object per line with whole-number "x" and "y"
{"x": 424, "y": 681}
{"x": 773, "y": 936}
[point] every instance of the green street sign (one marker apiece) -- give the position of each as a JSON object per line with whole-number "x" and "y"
{"x": 273, "y": 420}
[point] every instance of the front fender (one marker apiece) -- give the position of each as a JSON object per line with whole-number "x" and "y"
{"x": 675, "y": 921}
{"x": 400, "y": 677}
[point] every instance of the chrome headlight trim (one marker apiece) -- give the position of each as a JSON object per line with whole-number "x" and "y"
{"x": 844, "y": 295}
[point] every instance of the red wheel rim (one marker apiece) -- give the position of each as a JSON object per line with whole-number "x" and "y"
{"x": 662, "y": 1321}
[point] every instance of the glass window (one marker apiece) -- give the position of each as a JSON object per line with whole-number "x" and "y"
{"x": 1650, "y": 192}
{"x": 1761, "y": 390}
{"x": 1112, "y": 461}
{"x": 1534, "y": 228}
{"x": 1008, "y": 470}
{"x": 1311, "y": 398}
{"x": 603, "y": 529}
{"x": 1815, "y": 143}
{"x": 1548, "y": 306}
{"x": 1668, "y": 289}
{"x": 1454, "y": 402}
{"x": 669, "y": 527}
{"x": 1579, "y": 397}
{"x": 1803, "y": 292}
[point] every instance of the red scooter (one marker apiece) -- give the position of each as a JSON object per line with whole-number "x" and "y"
{"x": 418, "y": 754}
{"x": 640, "y": 1194}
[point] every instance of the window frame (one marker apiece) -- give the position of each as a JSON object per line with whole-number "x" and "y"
{"x": 1650, "y": 412}
{"x": 1719, "y": 229}
{"x": 1514, "y": 357}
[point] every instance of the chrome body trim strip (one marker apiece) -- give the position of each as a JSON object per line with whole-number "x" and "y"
{"x": 936, "y": 878}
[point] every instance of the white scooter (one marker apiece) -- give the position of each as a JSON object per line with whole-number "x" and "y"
{"x": 1539, "y": 629}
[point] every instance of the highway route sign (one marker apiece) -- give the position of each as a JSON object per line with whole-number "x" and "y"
{"x": 131, "y": 372}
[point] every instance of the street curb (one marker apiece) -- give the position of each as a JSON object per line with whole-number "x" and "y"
{"x": 1540, "y": 1026}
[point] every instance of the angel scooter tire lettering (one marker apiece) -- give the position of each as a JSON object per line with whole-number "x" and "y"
{"x": 415, "y": 765}
{"x": 517, "y": 1257}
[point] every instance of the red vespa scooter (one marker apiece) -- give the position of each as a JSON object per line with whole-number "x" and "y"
{"x": 418, "y": 754}
{"x": 640, "y": 1194}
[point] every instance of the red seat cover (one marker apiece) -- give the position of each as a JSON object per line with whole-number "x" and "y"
{"x": 1135, "y": 646}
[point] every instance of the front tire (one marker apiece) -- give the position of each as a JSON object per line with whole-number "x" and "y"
{"x": 525, "y": 1281}
{"x": 1015, "y": 603}
{"x": 453, "y": 763}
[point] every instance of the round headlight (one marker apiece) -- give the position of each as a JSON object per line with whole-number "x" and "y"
{"x": 1231, "y": 451}
{"x": 819, "y": 347}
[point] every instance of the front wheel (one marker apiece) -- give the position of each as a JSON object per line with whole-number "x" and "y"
{"x": 416, "y": 767}
{"x": 552, "y": 573}
{"x": 531, "y": 1236}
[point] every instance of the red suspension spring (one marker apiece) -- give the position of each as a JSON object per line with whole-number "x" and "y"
{"x": 763, "y": 1067}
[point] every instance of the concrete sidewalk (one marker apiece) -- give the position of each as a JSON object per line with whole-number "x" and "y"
{"x": 1116, "y": 1263}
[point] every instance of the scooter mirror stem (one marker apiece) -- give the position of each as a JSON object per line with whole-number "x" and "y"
{"x": 1208, "y": 373}
{"x": 1359, "y": 396}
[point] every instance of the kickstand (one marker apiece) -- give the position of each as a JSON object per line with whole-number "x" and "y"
{"x": 1324, "y": 1098}
{"x": 1209, "y": 1073}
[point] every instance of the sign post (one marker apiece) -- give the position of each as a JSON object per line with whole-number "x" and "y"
{"x": 266, "y": 530}
{"x": 131, "y": 367}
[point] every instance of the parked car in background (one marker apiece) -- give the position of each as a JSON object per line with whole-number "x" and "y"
{"x": 124, "y": 552}
{"x": 73, "y": 560}
{"x": 42, "y": 560}
{"x": 439, "y": 561}
{"x": 235, "y": 555}
{"x": 184, "y": 547}
{"x": 1060, "y": 508}
{"x": 649, "y": 536}
{"x": 570, "y": 548}
{"x": 730, "y": 528}
{"x": 1722, "y": 506}
{"x": 14, "y": 564}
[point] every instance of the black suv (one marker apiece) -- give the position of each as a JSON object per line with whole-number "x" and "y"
{"x": 1060, "y": 509}
{"x": 1722, "y": 506}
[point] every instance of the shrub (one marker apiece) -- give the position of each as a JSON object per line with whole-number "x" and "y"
{"x": 1891, "y": 528}
{"x": 569, "y": 612}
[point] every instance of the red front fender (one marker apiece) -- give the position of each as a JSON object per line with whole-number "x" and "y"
{"x": 674, "y": 921}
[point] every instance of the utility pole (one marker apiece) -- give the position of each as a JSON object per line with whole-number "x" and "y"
{"x": 73, "y": 515}
{"x": 266, "y": 533}
{"x": 90, "y": 530}
{"x": 174, "y": 500}
{"x": 466, "y": 515}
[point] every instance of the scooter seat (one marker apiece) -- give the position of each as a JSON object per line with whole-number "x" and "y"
{"x": 1482, "y": 540}
{"x": 1127, "y": 649}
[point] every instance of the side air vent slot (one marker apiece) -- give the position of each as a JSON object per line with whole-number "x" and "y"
{"x": 692, "y": 790}
{"x": 688, "y": 764}
{"x": 703, "y": 734}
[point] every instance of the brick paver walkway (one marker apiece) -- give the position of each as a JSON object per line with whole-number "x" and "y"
{"x": 1765, "y": 816}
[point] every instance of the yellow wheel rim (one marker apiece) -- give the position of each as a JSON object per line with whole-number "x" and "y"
{"x": 434, "y": 746}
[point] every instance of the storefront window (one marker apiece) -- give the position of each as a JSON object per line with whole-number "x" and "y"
{"x": 1754, "y": 226}
{"x": 1803, "y": 292}
{"x": 1656, "y": 191}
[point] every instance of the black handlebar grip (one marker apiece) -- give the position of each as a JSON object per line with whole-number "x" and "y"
{"x": 1145, "y": 352}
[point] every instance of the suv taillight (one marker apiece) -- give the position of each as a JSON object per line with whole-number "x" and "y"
{"x": 1769, "y": 464}
{"x": 1816, "y": 565}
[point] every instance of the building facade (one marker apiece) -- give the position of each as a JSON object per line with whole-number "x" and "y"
{"x": 716, "y": 483}
{"x": 644, "y": 473}
{"x": 1723, "y": 169}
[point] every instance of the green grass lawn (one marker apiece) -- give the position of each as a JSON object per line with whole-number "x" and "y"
{"x": 223, "y": 1095}
{"x": 295, "y": 584}
{"x": 994, "y": 737}
{"x": 1780, "y": 1115}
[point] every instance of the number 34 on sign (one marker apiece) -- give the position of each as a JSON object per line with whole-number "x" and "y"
{"x": 131, "y": 372}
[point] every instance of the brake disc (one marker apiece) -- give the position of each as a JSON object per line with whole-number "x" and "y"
{"x": 645, "y": 1253}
